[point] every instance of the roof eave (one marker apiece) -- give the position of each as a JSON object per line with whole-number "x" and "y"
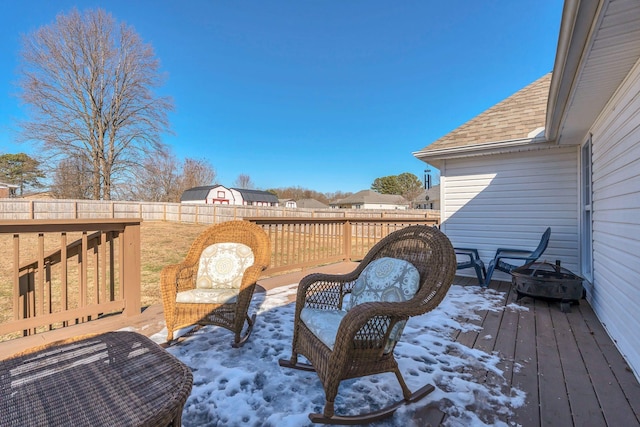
{"x": 434, "y": 157}
{"x": 575, "y": 31}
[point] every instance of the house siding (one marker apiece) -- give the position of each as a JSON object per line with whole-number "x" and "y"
{"x": 615, "y": 293}
{"x": 508, "y": 200}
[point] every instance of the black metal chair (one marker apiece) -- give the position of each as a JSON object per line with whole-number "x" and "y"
{"x": 497, "y": 262}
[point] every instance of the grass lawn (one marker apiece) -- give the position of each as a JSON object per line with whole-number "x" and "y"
{"x": 163, "y": 243}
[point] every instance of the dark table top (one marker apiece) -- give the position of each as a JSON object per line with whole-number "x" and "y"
{"x": 116, "y": 378}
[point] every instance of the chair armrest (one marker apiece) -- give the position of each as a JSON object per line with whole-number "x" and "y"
{"x": 251, "y": 275}
{"x": 516, "y": 251}
{"x": 321, "y": 290}
{"x": 513, "y": 255}
{"x": 358, "y": 317}
{"x": 467, "y": 252}
{"x": 471, "y": 252}
{"x": 168, "y": 288}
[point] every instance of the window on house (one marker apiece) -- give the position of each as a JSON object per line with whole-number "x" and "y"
{"x": 221, "y": 194}
{"x": 587, "y": 211}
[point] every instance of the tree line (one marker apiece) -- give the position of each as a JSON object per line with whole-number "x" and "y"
{"x": 164, "y": 179}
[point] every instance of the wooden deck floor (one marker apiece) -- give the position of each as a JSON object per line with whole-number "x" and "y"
{"x": 567, "y": 365}
{"x": 570, "y": 370}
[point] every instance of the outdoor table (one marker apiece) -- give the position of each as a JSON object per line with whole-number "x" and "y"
{"x": 115, "y": 378}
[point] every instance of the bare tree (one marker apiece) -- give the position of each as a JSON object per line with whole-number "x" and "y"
{"x": 244, "y": 181}
{"x": 157, "y": 180}
{"x": 164, "y": 178}
{"x": 410, "y": 186}
{"x": 72, "y": 179}
{"x": 196, "y": 173}
{"x": 298, "y": 193}
{"x": 88, "y": 82}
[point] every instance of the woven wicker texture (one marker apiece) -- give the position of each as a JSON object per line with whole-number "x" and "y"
{"x": 181, "y": 277}
{"x": 364, "y": 331}
{"x": 114, "y": 379}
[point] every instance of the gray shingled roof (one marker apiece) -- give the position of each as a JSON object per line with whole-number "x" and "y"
{"x": 196, "y": 193}
{"x": 311, "y": 204}
{"x": 257, "y": 195}
{"x": 433, "y": 193}
{"x": 511, "y": 119}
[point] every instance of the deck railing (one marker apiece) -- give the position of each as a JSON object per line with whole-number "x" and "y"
{"x": 92, "y": 270}
{"x": 307, "y": 242}
{"x": 72, "y": 271}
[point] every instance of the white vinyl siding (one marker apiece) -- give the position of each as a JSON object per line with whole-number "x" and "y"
{"x": 508, "y": 200}
{"x": 615, "y": 296}
{"x": 586, "y": 225}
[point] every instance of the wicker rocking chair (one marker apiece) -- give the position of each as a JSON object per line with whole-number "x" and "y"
{"x": 215, "y": 283}
{"x": 406, "y": 274}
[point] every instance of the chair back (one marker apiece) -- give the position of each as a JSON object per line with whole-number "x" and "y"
{"x": 542, "y": 246}
{"x": 222, "y": 265}
{"x": 243, "y": 232}
{"x": 430, "y": 252}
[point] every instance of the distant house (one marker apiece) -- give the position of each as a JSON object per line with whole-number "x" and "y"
{"x": 8, "y": 190}
{"x": 311, "y": 204}
{"x": 256, "y": 197}
{"x": 563, "y": 152}
{"x": 221, "y": 195}
{"x": 287, "y": 203}
{"x": 208, "y": 194}
{"x": 429, "y": 199}
{"x": 41, "y": 195}
{"x": 369, "y": 199}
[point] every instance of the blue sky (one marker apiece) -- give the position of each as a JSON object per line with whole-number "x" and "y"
{"x": 325, "y": 95}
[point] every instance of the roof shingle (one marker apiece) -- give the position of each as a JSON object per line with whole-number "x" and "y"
{"x": 511, "y": 119}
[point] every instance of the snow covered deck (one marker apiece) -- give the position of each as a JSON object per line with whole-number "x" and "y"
{"x": 548, "y": 367}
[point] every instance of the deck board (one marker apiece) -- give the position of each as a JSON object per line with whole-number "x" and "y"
{"x": 554, "y": 405}
{"x": 505, "y": 344}
{"x": 619, "y": 367}
{"x": 525, "y": 374}
{"x": 582, "y": 397}
{"x": 607, "y": 388}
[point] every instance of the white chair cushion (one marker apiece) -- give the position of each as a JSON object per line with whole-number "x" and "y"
{"x": 385, "y": 279}
{"x": 388, "y": 280}
{"x": 323, "y": 323}
{"x": 208, "y": 296}
{"x": 222, "y": 266}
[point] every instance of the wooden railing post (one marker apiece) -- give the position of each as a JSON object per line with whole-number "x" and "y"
{"x": 131, "y": 269}
{"x": 347, "y": 240}
{"x": 16, "y": 276}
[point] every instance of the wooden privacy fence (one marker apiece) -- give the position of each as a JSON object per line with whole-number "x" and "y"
{"x": 192, "y": 213}
{"x": 307, "y": 242}
{"x": 94, "y": 269}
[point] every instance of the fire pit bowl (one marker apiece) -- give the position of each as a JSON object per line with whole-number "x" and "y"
{"x": 548, "y": 281}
